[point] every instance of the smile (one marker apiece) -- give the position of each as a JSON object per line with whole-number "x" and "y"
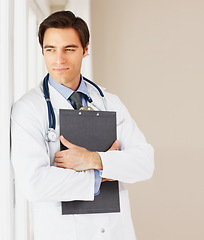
{"x": 60, "y": 69}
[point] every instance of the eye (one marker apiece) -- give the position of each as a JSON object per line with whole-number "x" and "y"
{"x": 49, "y": 50}
{"x": 69, "y": 50}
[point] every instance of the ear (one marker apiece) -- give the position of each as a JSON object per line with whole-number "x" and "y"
{"x": 42, "y": 47}
{"x": 86, "y": 50}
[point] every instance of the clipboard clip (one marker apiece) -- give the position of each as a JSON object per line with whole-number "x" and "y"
{"x": 97, "y": 114}
{"x": 87, "y": 108}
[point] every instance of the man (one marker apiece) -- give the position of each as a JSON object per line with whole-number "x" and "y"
{"x": 47, "y": 175}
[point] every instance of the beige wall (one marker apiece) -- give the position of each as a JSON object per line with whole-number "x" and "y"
{"x": 151, "y": 53}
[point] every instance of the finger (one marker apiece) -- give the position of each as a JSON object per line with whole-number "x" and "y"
{"x": 60, "y": 165}
{"x": 115, "y": 146}
{"x": 66, "y": 143}
{"x": 58, "y": 160}
{"x": 107, "y": 179}
{"x": 59, "y": 154}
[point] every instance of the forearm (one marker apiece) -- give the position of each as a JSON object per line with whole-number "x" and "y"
{"x": 77, "y": 158}
{"x": 38, "y": 180}
{"x": 135, "y": 159}
{"x": 132, "y": 165}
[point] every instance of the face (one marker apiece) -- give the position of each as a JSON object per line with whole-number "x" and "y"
{"x": 63, "y": 55}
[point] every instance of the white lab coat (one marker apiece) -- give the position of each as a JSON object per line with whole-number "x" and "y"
{"x": 45, "y": 185}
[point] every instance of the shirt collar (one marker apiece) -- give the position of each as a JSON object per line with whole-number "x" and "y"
{"x": 67, "y": 92}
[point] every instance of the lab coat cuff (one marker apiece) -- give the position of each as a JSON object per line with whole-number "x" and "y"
{"x": 104, "y": 158}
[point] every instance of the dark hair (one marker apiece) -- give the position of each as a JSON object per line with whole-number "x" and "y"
{"x": 65, "y": 19}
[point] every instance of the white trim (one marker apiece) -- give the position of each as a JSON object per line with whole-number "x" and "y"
{"x": 26, "y": 56}
{"x": 14, "y": 216}
{"x": 32, "y": 48}
{"x": 20, "y": 48}
{"x": 20, "y": 87}
{"x": 6, "y": 98}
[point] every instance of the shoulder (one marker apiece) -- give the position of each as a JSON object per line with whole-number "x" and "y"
{"x": 109, "y": 96}
{"x": 112, "y": 100}
{"x": 31, "y": 102}
{"x": 112, "y": 97}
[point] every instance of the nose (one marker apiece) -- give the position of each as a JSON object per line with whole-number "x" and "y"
{"x": 60, "y": 57}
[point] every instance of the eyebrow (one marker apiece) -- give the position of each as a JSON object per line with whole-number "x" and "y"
{"x": 68, "y": 46}
{"x": 71, "y": 46}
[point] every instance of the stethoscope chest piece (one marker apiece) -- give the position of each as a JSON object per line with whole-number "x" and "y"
{"x": 51, "y": 135}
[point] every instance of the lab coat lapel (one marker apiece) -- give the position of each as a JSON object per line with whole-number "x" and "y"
{"x": 58, "y": 101}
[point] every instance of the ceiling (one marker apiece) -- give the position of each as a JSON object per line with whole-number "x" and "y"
{"x": 57, "y": 4}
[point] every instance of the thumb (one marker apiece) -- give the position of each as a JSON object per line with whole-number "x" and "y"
{"x": 66, "y": 143}
{"x": 115, "y": 146}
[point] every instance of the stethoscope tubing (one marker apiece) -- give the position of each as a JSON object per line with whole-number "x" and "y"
{"x": 95, "y": 85}
{"x": 51, "y": 114}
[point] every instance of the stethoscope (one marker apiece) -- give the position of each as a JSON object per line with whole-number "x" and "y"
{"x": 51, "y": 133}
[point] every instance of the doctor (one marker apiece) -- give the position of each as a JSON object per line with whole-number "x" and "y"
{"x": 48, "y": 176}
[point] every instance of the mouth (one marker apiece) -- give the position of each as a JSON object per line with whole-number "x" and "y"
{"x": 59, "y": 70}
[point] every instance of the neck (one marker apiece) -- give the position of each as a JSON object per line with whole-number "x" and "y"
{"x": 72, "y": 84}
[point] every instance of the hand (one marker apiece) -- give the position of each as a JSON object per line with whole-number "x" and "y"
{"x": 114, "y": 146}
{"x": 107, "y": 180}
{"x": 77, "y": 158}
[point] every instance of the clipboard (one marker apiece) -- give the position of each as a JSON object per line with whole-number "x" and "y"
{"x": 95, "y": 131}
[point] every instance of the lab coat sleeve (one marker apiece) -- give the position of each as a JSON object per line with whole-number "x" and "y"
{"x": 39, "y": 181}
{"x": 134, "y": 161}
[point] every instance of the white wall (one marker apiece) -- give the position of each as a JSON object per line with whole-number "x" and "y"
{"x": 21, "y": 68}
{"x": 6, "y": 99}
{"x": 29, "y": 70}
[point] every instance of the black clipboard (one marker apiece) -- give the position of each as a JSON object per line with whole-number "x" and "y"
{"x": 96, "y": 131}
